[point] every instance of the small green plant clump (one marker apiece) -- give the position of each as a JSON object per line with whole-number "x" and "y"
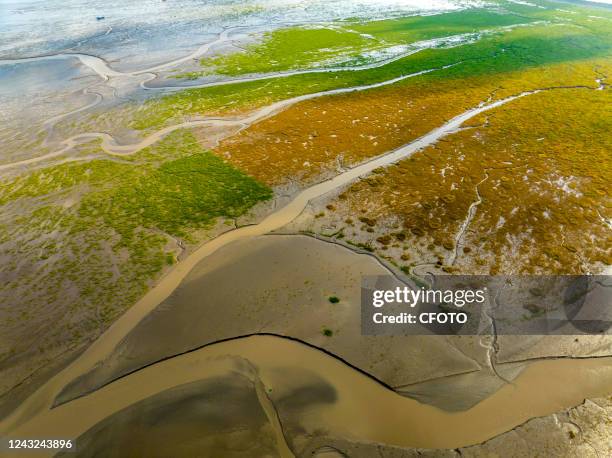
{"x": 334, "y": 299}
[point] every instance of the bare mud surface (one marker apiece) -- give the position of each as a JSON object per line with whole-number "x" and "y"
{"x": 207, "y": 397}
{"x": 256, "y": 281}
{"x": 281, "y": 285}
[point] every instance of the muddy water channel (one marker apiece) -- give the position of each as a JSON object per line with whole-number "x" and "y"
{"x": 272, "y": 394}
{"x": 242, "y": 283}
{"x": 316, "y": 394}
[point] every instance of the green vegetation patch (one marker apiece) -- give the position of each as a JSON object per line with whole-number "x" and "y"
{"x": 416, "y": 28}
{"x": 290, "y": 48}
{"x": 526, "y": 48}
{"x": 102, "y": 229}
{"x": 300, "y": 47}
{"x": 184, "y": 194}
{"x": 536, "y": 45}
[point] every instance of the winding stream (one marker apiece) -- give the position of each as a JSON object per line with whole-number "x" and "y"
{"x": 42, "y": 399}
{"x": 102, "y": 68}
{"x": 415, "y": 47}
{"x": 396, "y": 420}
{"x": 399, "y": 421}
{"x": 111, "y": 147}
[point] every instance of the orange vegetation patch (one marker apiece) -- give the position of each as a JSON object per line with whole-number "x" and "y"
{"x": 536, "y": 173}
{"x": 318, "y": 136}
